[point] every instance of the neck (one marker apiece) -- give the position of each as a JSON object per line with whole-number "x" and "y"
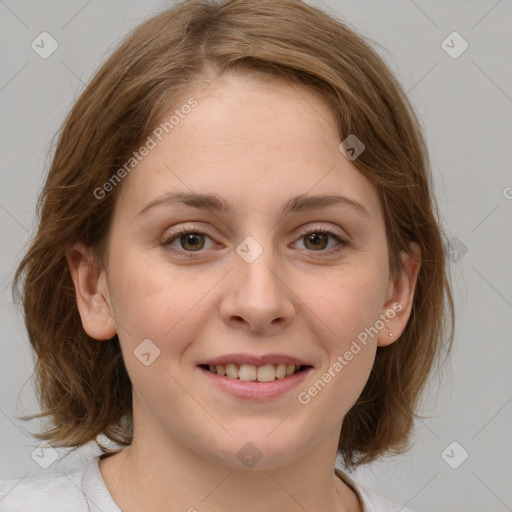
{"x": 140, "y": 478}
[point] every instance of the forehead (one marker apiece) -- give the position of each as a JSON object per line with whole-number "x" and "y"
{"x": 249, "y": 140}
{"x": 239, "y": 113}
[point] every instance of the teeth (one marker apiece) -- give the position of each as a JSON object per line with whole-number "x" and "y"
{"x": 281, "y": 371}
{"x": 266, "y": 373}
{"x": 247, "y": 372}
{"x": 231, "y": 370}
{"x": 251, "y": 372}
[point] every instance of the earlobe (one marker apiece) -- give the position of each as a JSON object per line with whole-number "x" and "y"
{"x": 398, "y": 306}
{"x": 91, "y": 293}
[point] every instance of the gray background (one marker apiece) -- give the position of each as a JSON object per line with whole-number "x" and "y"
{"x": 465, "y": 105}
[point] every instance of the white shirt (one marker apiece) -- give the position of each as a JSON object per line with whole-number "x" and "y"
{"x": 83, "y": 490}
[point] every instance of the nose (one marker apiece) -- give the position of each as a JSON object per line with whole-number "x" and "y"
{"x": 258, "y": 297}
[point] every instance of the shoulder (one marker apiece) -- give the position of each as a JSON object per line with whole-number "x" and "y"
{"x": 376, "y": 503}
{"x": 372, "y": 502}
{"x": 52, "y": 492}
{"x": 79, "y": 489}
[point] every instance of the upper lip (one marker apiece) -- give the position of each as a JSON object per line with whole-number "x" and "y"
{"x": 257, "y": 360}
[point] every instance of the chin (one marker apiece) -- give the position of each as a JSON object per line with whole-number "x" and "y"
{"x": 257, "y": 450}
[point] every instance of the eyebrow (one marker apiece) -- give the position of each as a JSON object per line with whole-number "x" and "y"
{"x": 213, "y": 202}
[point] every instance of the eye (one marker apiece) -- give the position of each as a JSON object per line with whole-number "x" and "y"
{"x": 318, "y": 239}
{"x": 191, "y": 240}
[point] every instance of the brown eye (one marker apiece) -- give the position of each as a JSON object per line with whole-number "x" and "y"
{"x": 316, "y": 240}
{"x": 192, "y": 241}
{"x": 187, "y": 242}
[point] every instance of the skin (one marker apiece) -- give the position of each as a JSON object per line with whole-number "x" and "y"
{"x": 256, "y": 144}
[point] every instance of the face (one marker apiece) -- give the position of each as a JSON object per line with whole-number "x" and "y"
{"x": 269, "y": 279}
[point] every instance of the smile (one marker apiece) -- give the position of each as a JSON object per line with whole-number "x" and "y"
{"x": 252, "y": 388}
{"x": 251, "y": 372}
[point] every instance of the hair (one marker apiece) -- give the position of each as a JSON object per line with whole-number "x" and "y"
{"x": 82, "y": 384}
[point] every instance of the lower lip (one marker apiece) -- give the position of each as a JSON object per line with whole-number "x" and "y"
{"x": 255, "y": 389}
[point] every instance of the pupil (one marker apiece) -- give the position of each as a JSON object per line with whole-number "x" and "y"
{"x": 191, "y": 239}
{"x": 315, "y": 238}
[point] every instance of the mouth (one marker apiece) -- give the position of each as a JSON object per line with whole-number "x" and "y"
{"x": 255, "y": 382}
{"x": 255, "y": 373}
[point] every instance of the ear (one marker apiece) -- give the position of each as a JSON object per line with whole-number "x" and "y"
{"x": 91, "y": 293}
{"x": 400, "y": 296}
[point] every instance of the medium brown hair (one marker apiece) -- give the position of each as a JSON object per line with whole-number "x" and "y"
{"x": 83, "y": 385}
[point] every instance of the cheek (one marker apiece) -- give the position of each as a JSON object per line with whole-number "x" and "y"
{"x": 352, "y": 302}
{"x": 158, "y": 303}
{"x": 348, "y": 310}
{"x": 151, "y": 296}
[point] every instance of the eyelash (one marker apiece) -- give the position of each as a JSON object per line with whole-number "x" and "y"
{"x": 193, "y": 230}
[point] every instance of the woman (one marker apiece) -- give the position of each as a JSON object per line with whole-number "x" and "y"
{"x": 239, "y": 272}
